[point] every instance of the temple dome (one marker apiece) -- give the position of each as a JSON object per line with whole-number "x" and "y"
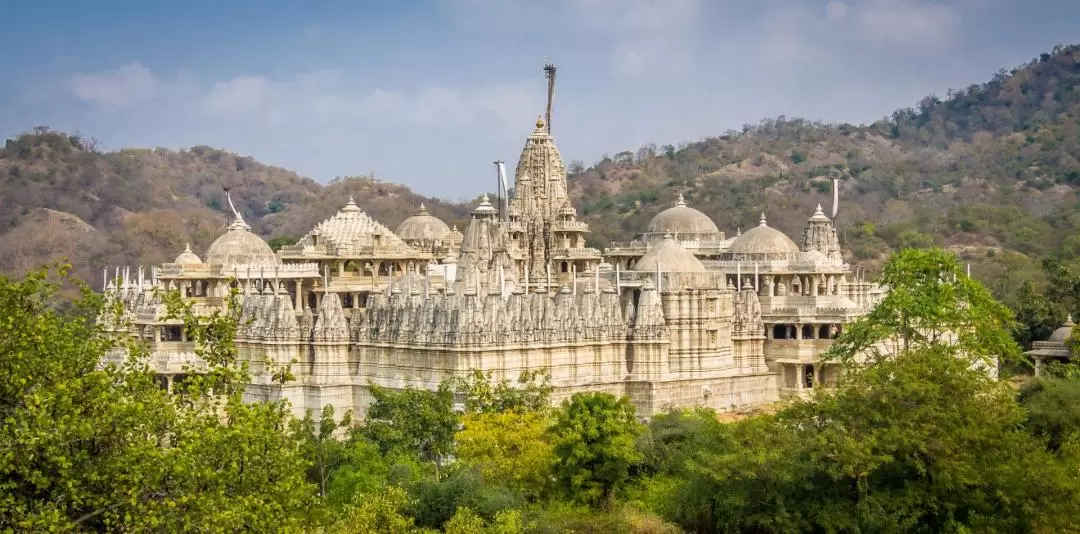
{"x": 239, "y": 246}
{"x": 1063, "y": 333}
{"x": 422, "y": 227}
{"x": 763, "y": 239}
{"x": 187, "y": 256}
{"x": 670, "y": 256}
{"x": 681, "y": 219}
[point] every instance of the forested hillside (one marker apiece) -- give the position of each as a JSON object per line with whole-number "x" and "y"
{"x": 991, "y": 171}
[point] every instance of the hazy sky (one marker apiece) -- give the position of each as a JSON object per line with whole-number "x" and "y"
{"x": 429, "y": 93}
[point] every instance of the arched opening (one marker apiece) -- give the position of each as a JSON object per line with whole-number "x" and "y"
{"x": 779, "y": 331}
{"x": 565, "y": 267}
{"x": 823, "y": 332}
{"x": 808, "y": 331}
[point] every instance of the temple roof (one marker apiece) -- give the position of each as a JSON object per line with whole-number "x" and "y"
{"x": 668, "y": 255}
{"x": 763, "y": 239}
{"x": 187, "y": 256}
{"x": 422, "y": 226}
{"x": 350, "y": 226}
{"x": 240, "y": 247}
{"x": 1063, "y": 333}
{"x": 681, "y": 219}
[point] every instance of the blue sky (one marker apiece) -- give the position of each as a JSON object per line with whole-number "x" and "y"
{"x": 428, "y": 93}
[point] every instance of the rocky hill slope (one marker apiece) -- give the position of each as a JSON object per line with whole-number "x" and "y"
{"x": 991, "y": 171}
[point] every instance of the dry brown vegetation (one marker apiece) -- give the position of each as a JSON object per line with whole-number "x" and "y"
{"x": 991, "y": 171}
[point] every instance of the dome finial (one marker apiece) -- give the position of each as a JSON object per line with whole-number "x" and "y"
{"x": 681, "y": 201}
{"x": 187, "y": 247}
{"x": 423, "y": 210}
{"x": 1069, "y": 320}
{"x": 762, "y": 222}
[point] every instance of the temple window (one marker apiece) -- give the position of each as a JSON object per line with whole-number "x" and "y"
{"x": 172, "y": 333}
{"x": 565, "y": 267}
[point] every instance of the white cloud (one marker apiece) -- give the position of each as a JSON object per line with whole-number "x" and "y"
{"x": 647, "y": 36}
{"x": 238, "y": 96}
{"x": 127, "y": 86}
{"x": 907, "y": 22}
{"x": 319, "y": 97}
{"x": 835, "y": 10}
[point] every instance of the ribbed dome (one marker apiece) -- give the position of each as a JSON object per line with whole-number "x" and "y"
{"x": 670, "y": 256}
{"x": 422, "y": 227}
{"x": 239, "y": 246}
{"x": 1063, "y": 333}
{"x": 187, "y": 256}
{"x": 763, "y": 240}
{"x": 681, "y": 219}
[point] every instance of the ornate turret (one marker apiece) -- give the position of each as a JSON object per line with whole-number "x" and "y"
{"x": 820, "y": 235}
{"x": 543, "y": 222}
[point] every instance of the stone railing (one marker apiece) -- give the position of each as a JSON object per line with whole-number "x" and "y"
{"x": 793, "y": 264}
{"x": 569, "y": 226}
{"x": 577, "y": 252}
{"x": 239, "y": 271}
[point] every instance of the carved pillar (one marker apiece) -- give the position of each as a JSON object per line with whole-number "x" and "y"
{"x": 298, "y": 297}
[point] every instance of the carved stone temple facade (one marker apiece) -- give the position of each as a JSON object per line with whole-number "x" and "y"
{"x": 680, "y": 316}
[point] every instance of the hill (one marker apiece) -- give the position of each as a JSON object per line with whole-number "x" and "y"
{"x": 62, "y": 198}
{"x": 990, "y": 171}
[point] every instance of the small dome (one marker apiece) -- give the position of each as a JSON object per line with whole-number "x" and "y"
{"x": 187, "y": 256}
{"x": 670, "y": 256}
{"x": 763, "y": 239}
{"x": 422, "y": 227}
{"x": 681, "y": 219}
{"x": 239, "y": 246}
{"x": 1064, "y": 332}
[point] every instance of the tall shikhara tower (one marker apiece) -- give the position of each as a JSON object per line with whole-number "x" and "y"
{"x": 542, "y": 222}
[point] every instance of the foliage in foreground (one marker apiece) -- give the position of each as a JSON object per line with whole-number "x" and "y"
{"x": 921, "y": 441}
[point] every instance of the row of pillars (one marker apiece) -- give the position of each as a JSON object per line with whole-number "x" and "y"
{"x": 804, "y": 331}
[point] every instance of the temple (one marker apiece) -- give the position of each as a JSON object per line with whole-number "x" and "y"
{"x": 680, "y": 316}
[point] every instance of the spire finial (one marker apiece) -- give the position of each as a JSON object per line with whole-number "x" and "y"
{"x": 681, "y": 201}
{"x": 350, "y": 205}
{"x": 238, "y": 221}
{"x": 762, "y": 222}
{"x": 540, "y": 123}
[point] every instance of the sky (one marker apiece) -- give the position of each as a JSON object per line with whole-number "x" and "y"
{"x": 429, "y": 93}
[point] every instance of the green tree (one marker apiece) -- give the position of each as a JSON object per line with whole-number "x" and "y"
{"x": 320, "y": 446}
{"x": 1036, "y": 315}
{"x": 931, "y": 302}
{"x": 510, "y": 449}
{"x": 412, "y": 421}
{"x": 91, "y": 447}
{"x": 482, "y": 394}
{"x": 376, "y": 513}
{"x": 594, "y": 435}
